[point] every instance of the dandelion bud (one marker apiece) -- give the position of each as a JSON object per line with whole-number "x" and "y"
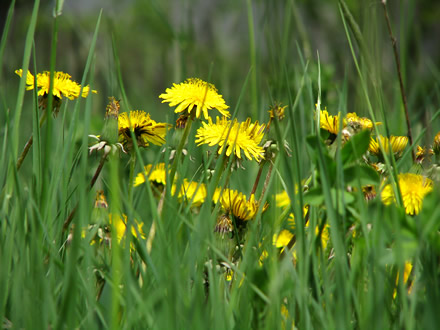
{"x": 110, "y": 133}
{"x": 277, "y": 111}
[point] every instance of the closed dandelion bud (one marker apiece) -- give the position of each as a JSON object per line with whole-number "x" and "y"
{"x": 436, "y": 145}
{"x": 100, "y": 212}
{"x": 110, "y": 133}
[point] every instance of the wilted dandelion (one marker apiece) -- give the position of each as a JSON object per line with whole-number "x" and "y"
{"x": 413, "y": 187}
{"x": 242, "y": 136}
{"x": 421, "y": 153}
{"x": 369, "y": 192}
{"x": 224, "y": 224}
{"x": 145, "y": 129}
{"x": 197, "y": 93}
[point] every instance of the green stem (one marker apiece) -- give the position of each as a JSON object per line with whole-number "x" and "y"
{"x": 399, "y": 75}
{"x": 131, "y": 175}
{"x": 92, "y": 183}
{"x": 179, "y": 149}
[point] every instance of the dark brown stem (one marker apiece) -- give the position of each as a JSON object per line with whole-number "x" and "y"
{"x": 25, "y": 151}
{"x": 257, "y": 180}
{"x": 266, "y": 182}
{"x": 92, "y": 183}
{"x": 29, "y": 143}
{"x": 399, "y": 74}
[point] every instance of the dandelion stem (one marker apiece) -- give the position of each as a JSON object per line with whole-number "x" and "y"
{"x": 29, "y": 143}
{"x": 92, "y": 183}
{"x": 399, "y": 74}
{"x": 257, "y": 179}
{"x": 266, "y": 182}
{"x": 131, "y": 175}
{"x": 180, "y": 148}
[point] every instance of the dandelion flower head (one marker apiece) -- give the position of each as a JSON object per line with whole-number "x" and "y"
{"x": 195, "y": 93}
{"x": 62, "y": 85}
{"x": 145, "y": 129}
{"x": 154, "y": 174}
{"x": 283, "y": 239}
{"x": 191, "y": 191}
{"x": 398, "y": 144}
{"x": 413, "y": 187}
{"x": 235, "y": 136}
{"x": 120, "y": 224}
{"x": 235, "y": 202}
{"x": 362, "y": 122}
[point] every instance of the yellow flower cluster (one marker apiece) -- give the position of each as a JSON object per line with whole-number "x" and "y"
{"x": 331, "y": 123}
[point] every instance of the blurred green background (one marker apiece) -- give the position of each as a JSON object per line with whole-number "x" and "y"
{"x": 161, "y": 42}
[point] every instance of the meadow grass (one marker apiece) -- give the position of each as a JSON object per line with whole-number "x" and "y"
{"x": 353, "y": 246}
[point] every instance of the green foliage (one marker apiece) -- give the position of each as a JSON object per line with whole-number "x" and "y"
{"x": 169, "y": 256}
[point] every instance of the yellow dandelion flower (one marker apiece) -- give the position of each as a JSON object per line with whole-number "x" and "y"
{"x": 328, "y": 122}
{"x": 406, "y": 272}
{"x": 121, "y": 226}
{"x": 236, "y": 203}
{"x": 145, "y": 129}
{"x": 398, "y": 144}
{"x": 325, "y": 235}
{"x": 282, "y": 199}
{"x": 191, "y": 191}
{"x": 413, "y": 187}
{"x": 291, "y": 218}
{"x": 155, "y": 174}
{"x": 235, "y": 136}
{"x": 283, "y": 239}
{"x": 353, "y": 119}
{"x": 62, "y": 86}
{"x": 216, "y": 195}
{"x": 197, "y": 93}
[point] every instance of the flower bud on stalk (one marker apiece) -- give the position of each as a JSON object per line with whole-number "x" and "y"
{"x": 110, "y": 132}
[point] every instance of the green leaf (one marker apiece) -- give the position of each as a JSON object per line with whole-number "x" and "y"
{"x": 360, "y": 174}
{"x": 314, "y": 197}
{"x": 355, "y": 147}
